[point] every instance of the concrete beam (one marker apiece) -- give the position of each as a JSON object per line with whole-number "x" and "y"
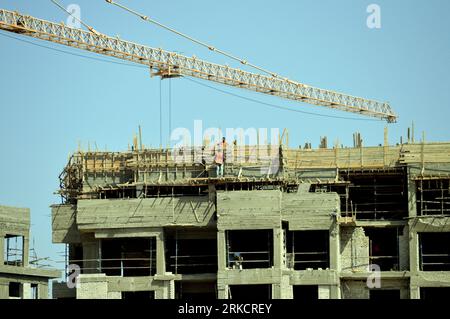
{"x": 430, "y": 224}
{"x": 313, "y": 277}
{"x": 431, "y": 279}
{"x": 149, "y": 212}
{"x": 39, "y": 274}
{"x": 249, "y": 276}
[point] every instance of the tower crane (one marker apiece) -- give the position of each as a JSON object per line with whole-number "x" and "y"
{"x": 168, "y": 64}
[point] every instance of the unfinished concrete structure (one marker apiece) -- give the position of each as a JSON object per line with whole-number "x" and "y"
{"x": 18, "y": 279}
{"x": 299, "y": 223}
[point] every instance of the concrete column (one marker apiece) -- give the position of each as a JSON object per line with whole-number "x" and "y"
{"x": 413, "y": 237}
{"x": 276, "y": 291}
{"x": 160, "y": 254}
{"x": 166, "y": 290}
{"x": 171, "y": 289}
{"x": 335, "y": 292}
{"x": 334, "y": 247}
{"x": 4, "y": 290}
{"x": 284, "y": 290}
{"x": 42, "y": 291}
{"x": 92, "y": 286}
{"x": 278, "y": 249}
{"x": 212, "y": 193}
{"x": 115, "y": 295}
{"x": 222, "y": 292}
{"x": 2, "y": 248}
{"x": 160, "y": 293}
{"x": 26, "y": 290}
{"x": 412, "y": 207}
{"x": 404, "y": 293}
{"x": 414, "y": 292}
{"x": 221, "y": 251}
{"x": 91, "y": 257}
{"x": 26, "y": 250}
{"x": 413, "y": 252}
{"x": 324, "y": 292}
{"x": 403, "y": 243}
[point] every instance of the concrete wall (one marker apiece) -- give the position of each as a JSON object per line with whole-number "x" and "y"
{"x": 64, "y": 227}
{"x": 354, "y": 289}
{"x": 264, "y": 209}
{"x": 152, "y": 212}
{"x": 100, "y": 286}
{"x": 358, "y": 288}
{"x": 92, "y": 286}
{"x": 15, "y": 221}
{"x": 26, "y": 282}
{"x": 61, "y": 291}
{"x": 354, "y": 249}
{"x": 249, "y": 209}
{"x": 310, "y": 211}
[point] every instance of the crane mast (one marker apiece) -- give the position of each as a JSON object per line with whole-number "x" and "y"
{"x": 170, "y": 64}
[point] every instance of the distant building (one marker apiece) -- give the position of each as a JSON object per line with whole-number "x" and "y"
{"x": 18, "y": 279}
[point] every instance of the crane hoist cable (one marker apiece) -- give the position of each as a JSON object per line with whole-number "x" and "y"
{"x": 209, "y": 47}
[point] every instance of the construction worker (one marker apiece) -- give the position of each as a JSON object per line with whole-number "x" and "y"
{"x": 238, "y": 261}
{"x": 220, "y": 157}
{"x": 218, "y": 160}
{"x": 224, "y": 148}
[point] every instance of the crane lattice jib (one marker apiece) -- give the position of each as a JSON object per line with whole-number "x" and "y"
{"x": 173, "y": 64}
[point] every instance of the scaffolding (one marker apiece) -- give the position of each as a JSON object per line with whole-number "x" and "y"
{"x": 14, "y": 253}
{"x": 433, "y": 196}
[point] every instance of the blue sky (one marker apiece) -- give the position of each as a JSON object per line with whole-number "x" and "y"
{"x": 50, "y": 101}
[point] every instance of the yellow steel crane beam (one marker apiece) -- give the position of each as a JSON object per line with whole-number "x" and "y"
{"x": 170, "y": 64}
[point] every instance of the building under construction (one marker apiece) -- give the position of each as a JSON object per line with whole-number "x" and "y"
{"x": 21, "y": 277}
{"x": 282, "y": 223}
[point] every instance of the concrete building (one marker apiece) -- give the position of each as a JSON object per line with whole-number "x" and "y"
{"x": 359, "y": 222}
{"x": 18, "y": 280}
